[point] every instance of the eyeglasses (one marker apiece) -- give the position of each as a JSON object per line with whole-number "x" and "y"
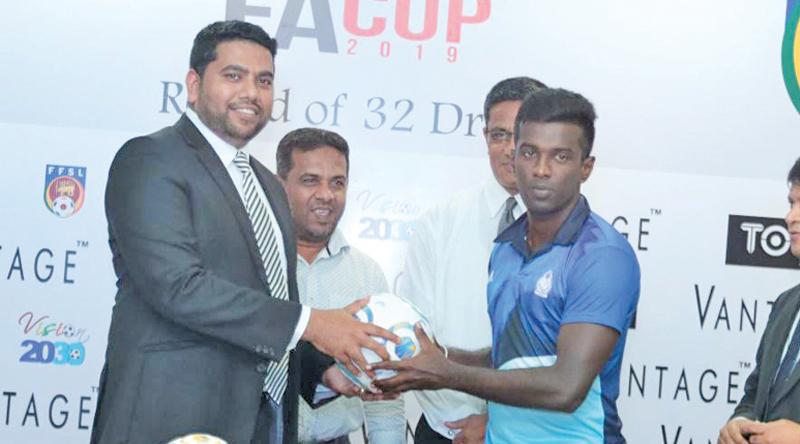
{"x": 499, "y": 135}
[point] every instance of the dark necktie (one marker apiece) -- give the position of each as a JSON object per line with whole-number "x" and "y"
{"x": 277, "y": 371}
{"x": 507, "y": 218}
{"x": 787, "y": 365}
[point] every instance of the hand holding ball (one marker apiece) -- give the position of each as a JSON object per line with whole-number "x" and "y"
{"x": 399, "y": 317}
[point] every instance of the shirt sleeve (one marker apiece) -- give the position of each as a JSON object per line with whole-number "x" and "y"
{"x": 419, "y": 271}
{"x": 302, "y": 323}
{"x": 602, "y": 288}
{"x": 377, "y": 280}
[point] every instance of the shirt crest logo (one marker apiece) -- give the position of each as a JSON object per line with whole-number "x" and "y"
{"x": 544, "y": 284}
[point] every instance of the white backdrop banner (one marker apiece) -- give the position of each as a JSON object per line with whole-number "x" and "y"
{"x": 695, "y": 135}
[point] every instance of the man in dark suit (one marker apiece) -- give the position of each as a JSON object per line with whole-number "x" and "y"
{"x": 769, "y": 411}
{"x": 206, "y": 333}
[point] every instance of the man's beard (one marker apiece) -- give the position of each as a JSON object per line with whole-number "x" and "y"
{"x": 223, "y": 126}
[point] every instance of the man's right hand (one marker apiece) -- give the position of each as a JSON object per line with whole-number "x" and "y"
{"x": 731, "y": 432}
{"x": 471, "y": 430}
{"x": 338, "y": 334}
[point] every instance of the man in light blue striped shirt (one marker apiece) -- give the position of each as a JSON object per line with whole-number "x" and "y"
{"x": 313, "y": 166}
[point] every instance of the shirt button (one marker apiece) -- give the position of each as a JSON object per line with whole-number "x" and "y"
{"x": 261, "y": 367}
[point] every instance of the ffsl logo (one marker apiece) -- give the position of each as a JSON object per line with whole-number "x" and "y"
{"x": 64, "y": 189}
{"x": 759, "y": 242}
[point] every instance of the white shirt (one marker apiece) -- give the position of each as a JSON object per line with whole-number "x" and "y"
{"x": 339, "y": 275}
{"x": 226, "y": 152}
{"x": 445, "y": 275}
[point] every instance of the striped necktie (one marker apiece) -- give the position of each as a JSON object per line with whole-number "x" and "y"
{"x": 277, "y": 372}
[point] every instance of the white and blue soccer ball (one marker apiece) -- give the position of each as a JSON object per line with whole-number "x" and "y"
{"x": 399, "y": 317}
{"x": 198, "y": 438}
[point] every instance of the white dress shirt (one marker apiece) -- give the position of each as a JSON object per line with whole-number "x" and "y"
{"x": 339, "y": 275}
{"x": 226, "y": 152}
{"x": 445, "y": 275}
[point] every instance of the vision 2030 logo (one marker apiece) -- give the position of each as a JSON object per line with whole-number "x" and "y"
{"x": 64, "y": 189}
{"x": 54, "y": 342}
{"x": 405, "y": 28}
{"x": 791, "y": 52}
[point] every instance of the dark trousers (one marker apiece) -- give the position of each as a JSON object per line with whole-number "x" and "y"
{"x": 424, "y": 434}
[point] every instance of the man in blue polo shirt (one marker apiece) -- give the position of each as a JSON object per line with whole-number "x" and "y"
{"x": 563, "y": 287}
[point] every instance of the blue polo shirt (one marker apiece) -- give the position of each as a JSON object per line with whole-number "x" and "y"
{"x": 588, "y": 274}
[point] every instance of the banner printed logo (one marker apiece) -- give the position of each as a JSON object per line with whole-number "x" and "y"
{"x": 379, "y": 28}
{"x": 64, "y": 189}
{"x": 49, "y": 341}
{"x": 791, "y": 52}
{"x": 759, "y": 242}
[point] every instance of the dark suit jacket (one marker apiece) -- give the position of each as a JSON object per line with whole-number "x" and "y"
{"x": 784, "y": 402}
{"x": 193, "y": 325}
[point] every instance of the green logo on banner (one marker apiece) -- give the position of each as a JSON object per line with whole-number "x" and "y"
{"x": 791, "y": 57}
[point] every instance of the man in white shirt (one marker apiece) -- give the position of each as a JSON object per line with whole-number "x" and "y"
{"x": 313, "y": 166}
{"x": 445, "y": 272}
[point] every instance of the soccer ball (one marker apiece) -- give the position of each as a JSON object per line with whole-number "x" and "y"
{"x": 63, "y": 206}
{"x": 399, "y": 317}
{"x": 198, "y": 438}
{"x": 75, "y": 354}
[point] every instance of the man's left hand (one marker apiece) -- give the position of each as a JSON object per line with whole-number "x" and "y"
{"x": 334, "y": 379}
{"x": 471, "y": 430}
{"x": 781, "y": 431}
{"x": 429, "y": 370}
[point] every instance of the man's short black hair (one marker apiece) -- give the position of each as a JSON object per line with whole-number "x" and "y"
{"x": 204, "y": 49}
{"x": 794, "y": 174}
{"x": 307, "y": 139}
{"x": 515, "y": 88}
{"x": 559, "y": 105}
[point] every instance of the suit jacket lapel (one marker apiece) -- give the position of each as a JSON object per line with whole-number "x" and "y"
{"x": 784, "y": 327}
{"x": 220, "y": 175}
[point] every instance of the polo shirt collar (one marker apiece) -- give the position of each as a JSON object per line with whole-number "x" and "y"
{"x": 566, "y": 235}
{"x": 337, "y": 244}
